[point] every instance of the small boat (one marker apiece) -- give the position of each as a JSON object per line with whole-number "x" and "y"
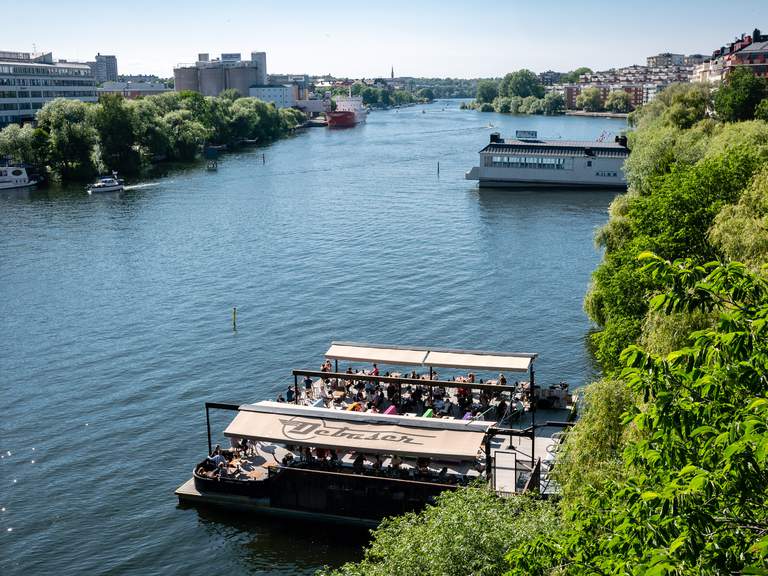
{"x": 212, "y": 166}
{"x": 106, "y": 184}
{"x": 14, "y": 177}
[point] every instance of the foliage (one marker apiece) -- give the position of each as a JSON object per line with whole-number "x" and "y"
{"x": 618, "y": 101}
{"x": 23, "y": 144}
{"x": 71, "y": 138}
{"x": 427, "y": 94}
{"x": 468, "y": 531}
{"x": 114, "y": 124}
{"x": 679, "y": 105}
{"x": 591, "y": 452}
{"x": 554, "y": 104}
{"x": 692, "y": 499}
{"x": 522, "y": 83}
{"x": 761, "y": 112}
{"x": 739, "y": 96}
{"x": 573, "y": 76}
{"x": 741, "y": 230}
{"x": 487, "y": 90}
{"x": 590, "y": 100}
{"x": 487, "y": 107}
{"x": 74, "y": 138}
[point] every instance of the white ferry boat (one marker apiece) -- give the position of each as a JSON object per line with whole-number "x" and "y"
{"x": 14, "y": 177}
{"x": 528, "y": 161}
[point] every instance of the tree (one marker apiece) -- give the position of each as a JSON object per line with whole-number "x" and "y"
{"x": 739, "y": 96}
{"x": 590, "y": 100}
{"x": 467, "y": 531}
{"x": 695, "y": 481}
{"x": 151, "y": 132}
{"x": 553, "y": 104}
{"x": 522, "y": 83}
{"x": 71, "y": 137}
{"x": 618, "y": 101}
{"x": 186, "y": 135}
{"x": 426, "y": 94}
{"x": 114, "y": 124}
{"x": 230, "y": 94}
{"x": 24, "y": 144}
{"x": 761, "y": 112}
{"x": 370, "y": 95}
{"x": 487, "y": 90}
{"x": 573, "y": 76}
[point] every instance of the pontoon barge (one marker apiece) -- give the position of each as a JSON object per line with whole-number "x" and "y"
{"x": 340, "y": 464}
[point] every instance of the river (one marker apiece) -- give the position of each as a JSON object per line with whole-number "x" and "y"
{"x": 116, "y": 321}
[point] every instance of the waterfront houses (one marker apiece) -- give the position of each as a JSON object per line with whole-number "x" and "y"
{"x": 29, "y": 80}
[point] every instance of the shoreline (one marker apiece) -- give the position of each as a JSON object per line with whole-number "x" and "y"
{"x": 623, "y": 115}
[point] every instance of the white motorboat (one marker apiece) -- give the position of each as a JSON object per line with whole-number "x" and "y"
{"x": 14, "y": 177}
{"x": 107, "y": 184}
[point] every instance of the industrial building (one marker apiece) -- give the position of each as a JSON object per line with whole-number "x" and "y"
{"x": 28, "y": 81}
{"x": 132, "y": 90}
{"x": 280, "y": 96}
{"x": 210, "y": 77}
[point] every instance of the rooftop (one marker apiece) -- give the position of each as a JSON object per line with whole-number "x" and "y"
{"x": 558, "y": 147}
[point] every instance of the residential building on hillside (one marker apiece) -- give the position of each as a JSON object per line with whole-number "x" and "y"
{"x": 28, "y": 81}
{"x": 748, "y": 51}
{"x": 550, "y": 77}
{"x": 695, "y": 59}
{"x": 665, "y": 59}
{"x": 104, "y": 68}
{"x": 210, "y": 77}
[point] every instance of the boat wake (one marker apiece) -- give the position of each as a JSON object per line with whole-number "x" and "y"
{"x": 141, "y": 186}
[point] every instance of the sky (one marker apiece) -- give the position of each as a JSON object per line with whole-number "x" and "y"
{"x": 426, "y": 38}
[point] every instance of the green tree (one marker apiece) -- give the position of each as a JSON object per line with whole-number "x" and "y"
{"x": 554, "y": 104}
{"x": 573, "y": 76}
{"x": 71, "y": 137}
{"x": 618, "y": 101}
{"x": 590, "y": 100}
{"x": 487, "y": 90}
{"x": 739, "y": 96}
{"x": 186, "y": 135}
{"x": 24, "y": 144}
{"x": 151, "y": 132}
{"x": 468, "y": 531}
{"x": 761, "y": 112}
{"x": 114, "y": 124}
{"x": 230, "y": 94}
{"x": 692, "y": 497}
{"x": 522, "y": 83}
{"x": 370, "y": 96}
{"x": 426, "y": 94}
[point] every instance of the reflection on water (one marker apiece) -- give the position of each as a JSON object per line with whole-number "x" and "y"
{"x": 117, "y": 321}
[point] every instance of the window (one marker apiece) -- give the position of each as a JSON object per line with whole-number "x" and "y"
{"x": 589, "y": 162}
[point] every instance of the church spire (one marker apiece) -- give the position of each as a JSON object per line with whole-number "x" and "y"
{"x": 392, "y": 74}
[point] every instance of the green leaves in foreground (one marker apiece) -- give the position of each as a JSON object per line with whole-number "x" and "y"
{"x": 468, "y": 532}
{"x": 693, "y": 498}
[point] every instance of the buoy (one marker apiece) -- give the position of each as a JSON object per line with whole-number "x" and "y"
{"x": 234, "y": 319}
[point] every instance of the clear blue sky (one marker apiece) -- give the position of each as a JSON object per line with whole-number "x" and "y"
{"x": 419, "y": 38}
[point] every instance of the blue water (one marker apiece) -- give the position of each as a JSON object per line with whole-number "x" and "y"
{"x": 115, "y": 321}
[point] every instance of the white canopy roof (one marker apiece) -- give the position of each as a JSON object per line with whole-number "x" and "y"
{"x": 437, "y": 357}
{"x": 383, "y": 354}
{"x": 322, "y": 427}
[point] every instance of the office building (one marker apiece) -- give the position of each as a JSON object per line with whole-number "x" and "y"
{"x": 210, "y": 77}
{"x": 28, "y": 81}
{"x": 131, "y": 90}
{"x": 665, "y": 59}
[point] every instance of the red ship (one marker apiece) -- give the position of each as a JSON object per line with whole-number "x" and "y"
{"x": 349, "y": 112}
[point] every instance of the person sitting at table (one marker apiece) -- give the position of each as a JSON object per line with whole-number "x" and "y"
{"x": 375, "y": 371}
{"x": 378, "y": 463}
{"x": 287, "y": 459}
{"x": 391, "y": 390}
{"x": 443, "y": 475}
{"x": 359, "y": 464}
{"x": 280, "y": 398}
{"x": 502, "y": 380}
{"x": 422, "y": 466}
{"x": 290, "y": 394}
{"x": 471, "y": 377}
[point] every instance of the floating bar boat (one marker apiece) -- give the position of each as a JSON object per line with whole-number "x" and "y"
{"x": 331, "y": 454}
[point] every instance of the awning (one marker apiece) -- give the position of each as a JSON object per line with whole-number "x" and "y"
{"x": 435, "y": 357}
{"x": 383, "y": 354}
{"x": 367, "y": 437}
{"x": 480, "y": 360}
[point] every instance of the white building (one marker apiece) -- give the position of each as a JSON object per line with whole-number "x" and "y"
{"x": 28, "y": 81}
{"x": 281, "y": 96}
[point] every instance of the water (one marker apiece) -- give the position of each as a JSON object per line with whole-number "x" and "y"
{"x": 116, "y": 321}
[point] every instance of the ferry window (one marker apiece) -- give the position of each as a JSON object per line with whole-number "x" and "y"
{"x": 589, "y": 162}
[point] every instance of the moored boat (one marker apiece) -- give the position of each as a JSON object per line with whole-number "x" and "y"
{"x": 359, "y": 446}
{"x": 12, "y": 177}
{"x": 349, "y": 112}
{"x": 530, "y": 162}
